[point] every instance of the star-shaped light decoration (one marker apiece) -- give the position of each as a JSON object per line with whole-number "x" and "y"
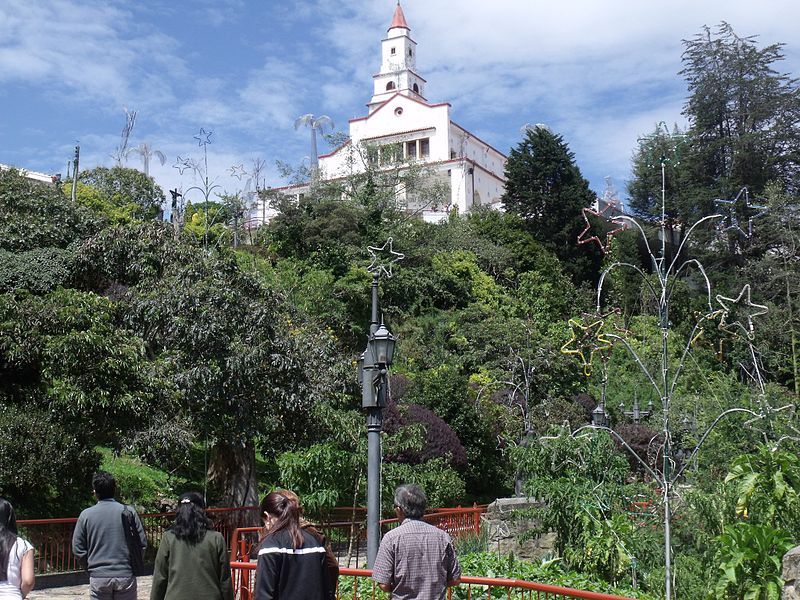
{"x": 663, "y": 146}
{"x": 182, "y": 164}
{"x": 702, "y": 319}
{"x": 238, "y": 171}
{"x": 740, "y": 206}
{"x": 735, "y": 310}
{"x": 204, "y": 137}
{"x": 383, "y": 257}
{"x": 583, "y": 239}
{"x": 587, "y": 340}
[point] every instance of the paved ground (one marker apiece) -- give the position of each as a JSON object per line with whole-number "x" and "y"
{"x": 82, "y": 591}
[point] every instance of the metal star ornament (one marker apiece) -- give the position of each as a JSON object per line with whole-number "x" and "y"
{"x": 587, "y": 340}
{"x": 204, "y": 137}
{"x": 238, "y": 171}
{"x": 383, "y": 258}
{"x": 740, "y": 206}
{"x": 583, "y": 239}
{"x": 182, "y": 164}
{"x": 737, "y": 309}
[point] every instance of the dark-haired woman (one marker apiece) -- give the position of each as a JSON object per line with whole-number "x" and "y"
{"x": 192, "y": 560}
{"x": 291, "y": 559}
{"x": 16, "y": 557}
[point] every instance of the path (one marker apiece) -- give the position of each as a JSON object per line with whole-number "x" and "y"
{"x": 82, "y": 591}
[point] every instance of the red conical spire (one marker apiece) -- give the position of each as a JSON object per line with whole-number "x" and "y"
{"x": 399, "y": 19}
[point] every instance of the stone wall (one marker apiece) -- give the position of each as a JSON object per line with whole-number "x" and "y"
{"x": 505, "y": 527}
{"x": 791, "y": 574}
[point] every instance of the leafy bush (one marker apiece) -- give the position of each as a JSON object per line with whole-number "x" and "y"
{"x": 440, "y": 441}
{"x": 749, "y": 558}
{"x": 443, "y": 486}
{"x": 145, "y": 487}
{"x": 488, "y": 564}
{"x": 46, "y": 467}
{"x": 39, "y": 270}
{"x": 37, "y": 215}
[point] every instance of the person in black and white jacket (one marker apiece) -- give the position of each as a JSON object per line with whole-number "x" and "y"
{"x": 291, "y": 559}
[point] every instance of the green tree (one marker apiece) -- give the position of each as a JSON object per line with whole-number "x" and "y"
{"x": 744, "y": 115}
{"x": 127, "y": 188}
{"x": 37, "y": 215}
{"x": 545, "y": 187}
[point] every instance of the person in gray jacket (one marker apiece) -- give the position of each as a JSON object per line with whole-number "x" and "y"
{"x": 99, "y": 543}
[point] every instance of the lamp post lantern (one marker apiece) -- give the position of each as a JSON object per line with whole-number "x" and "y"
{"x": 373, "y": 367}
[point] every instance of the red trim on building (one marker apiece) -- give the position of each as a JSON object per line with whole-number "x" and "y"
{"x": 335, "y": 150}
{"x": 473, "y": 163}
{"x": 385, "y": 102}
{"x": 479, "y": 139}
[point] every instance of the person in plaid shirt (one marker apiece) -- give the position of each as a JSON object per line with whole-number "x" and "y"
{"x": 415, "y": 561}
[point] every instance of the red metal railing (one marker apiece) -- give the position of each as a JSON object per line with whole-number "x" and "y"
{"x": 348, "y": 538}
{"x": 357, "y": 584}
{"x": 52, "y": 538}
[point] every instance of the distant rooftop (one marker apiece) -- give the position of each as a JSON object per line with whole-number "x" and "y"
{"x": 35, "y": 175}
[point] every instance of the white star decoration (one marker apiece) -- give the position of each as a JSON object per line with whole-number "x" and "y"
{"x": 182, "y": 164}
{"x": 731, "y": 216}
{"x": 204, "y": 137}
{"x": 238, "y": 171}
{"x": 389, "y": 254}
{"x": 740, "y": 304}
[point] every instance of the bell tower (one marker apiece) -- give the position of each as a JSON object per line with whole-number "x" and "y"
{"x": 398, "y": 64}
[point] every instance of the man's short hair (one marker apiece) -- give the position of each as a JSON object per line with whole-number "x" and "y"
{"x": 411, "y": 499}
{"x": 104, "y": 485}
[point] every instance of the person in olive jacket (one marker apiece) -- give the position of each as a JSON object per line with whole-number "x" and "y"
{"x": 192, "y": 560}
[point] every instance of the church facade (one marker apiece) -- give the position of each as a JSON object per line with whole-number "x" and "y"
{"x": 402, "y": 127}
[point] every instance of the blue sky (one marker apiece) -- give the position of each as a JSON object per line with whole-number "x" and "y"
{"x": 599, "y": 73}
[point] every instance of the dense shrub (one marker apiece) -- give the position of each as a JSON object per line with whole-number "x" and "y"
{"x": 46, "y": 467}
{"x": 39, "y": 270}
{"x": 440, "y": 441}
{"x": 37, "y": 215}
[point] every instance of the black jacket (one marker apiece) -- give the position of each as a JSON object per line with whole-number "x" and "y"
{"x": 287, "y": 573}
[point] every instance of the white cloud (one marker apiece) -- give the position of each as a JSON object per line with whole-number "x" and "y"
{"x": 89, "y": 49}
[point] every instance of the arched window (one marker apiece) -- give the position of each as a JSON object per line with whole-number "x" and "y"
{"x": 390, "y": 86}
{"x": 416, "y": 89}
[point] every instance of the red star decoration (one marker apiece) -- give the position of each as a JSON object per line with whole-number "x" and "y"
{"x": 604, "y": 248}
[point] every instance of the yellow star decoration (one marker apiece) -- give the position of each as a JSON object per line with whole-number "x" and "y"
{"x": 587, "y": 340}
{"x": 736, "y": 309}
{"x": 712, "y": 316}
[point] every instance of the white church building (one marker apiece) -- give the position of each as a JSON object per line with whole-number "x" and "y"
{"x": 400, "y": 117}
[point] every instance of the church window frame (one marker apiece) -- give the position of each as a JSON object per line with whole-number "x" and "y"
{"x": 416, "y": 88}
{"x": 392, "y": 51}
{"x": 390, "y": 86}
{"x": 424, "y": 147}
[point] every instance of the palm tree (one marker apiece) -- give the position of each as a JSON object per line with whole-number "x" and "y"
{"x": 314, "y": 123}
{"x": 145, "y": 151}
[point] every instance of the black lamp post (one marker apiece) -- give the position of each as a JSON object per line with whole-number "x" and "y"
{"x": 600, "y": 416}
{"x": 373, "y": 366}
{"x": 636, "y": 414}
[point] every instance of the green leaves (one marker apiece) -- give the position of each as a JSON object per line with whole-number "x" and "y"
{"x": 767, "y": 485}
{"x": 749, "y": 558}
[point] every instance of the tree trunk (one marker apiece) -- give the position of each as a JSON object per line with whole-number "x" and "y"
{"x": 232, "y": 472}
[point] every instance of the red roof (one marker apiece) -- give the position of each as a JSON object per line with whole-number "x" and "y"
{"x": 399, "y": 19}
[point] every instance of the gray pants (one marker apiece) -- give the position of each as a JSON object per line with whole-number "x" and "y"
{"x": 112, "y": 588}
